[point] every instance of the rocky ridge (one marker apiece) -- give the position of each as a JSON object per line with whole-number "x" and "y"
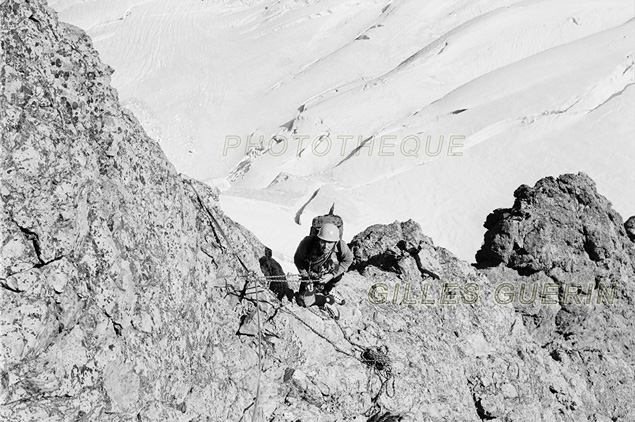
{"x": 563, "y": 234}
{"x": 121, "y": 285}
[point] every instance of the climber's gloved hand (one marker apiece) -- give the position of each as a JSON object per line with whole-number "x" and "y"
{"x": 326, "y": 278}
{"x": 313, "y": 276}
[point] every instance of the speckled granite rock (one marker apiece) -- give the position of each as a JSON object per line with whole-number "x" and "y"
{"x": 629, "y": 226}
{"x": 120, "y": 294}
{"x": 110, "y": 301}
{"x": 563, "y": 239}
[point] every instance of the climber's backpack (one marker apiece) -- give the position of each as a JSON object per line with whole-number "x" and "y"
{"x": 320, "y": 220}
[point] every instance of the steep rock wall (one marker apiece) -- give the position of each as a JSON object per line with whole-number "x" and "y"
{"x": 120, "y": 292}
{"x": 110, "y": 296}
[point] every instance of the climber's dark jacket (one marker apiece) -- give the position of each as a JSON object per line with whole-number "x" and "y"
{"x": 310, "y": 262}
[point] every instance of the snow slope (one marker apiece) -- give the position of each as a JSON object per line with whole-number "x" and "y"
{"x": 495, "y": 94}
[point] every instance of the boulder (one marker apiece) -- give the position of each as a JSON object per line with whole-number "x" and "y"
{"x": 566, "y": 254}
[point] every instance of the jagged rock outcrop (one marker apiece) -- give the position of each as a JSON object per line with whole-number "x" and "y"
{"x": 561, "y": 222}
{"x": 562, "y": 243}
{"x": 629, "y": 226}
{"x": 397, "y": 247}
{"x": 120, "y": 288}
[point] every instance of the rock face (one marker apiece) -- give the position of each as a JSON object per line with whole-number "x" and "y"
{"x": 109, "y": 289}
{"x": 560, "y": 222}
{"x": 563, "y": 240}
{"x": 121, "y": 285}
{"x": 630, "y": 228}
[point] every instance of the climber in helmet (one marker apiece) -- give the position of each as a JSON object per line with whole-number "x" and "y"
{"x": 321, "y": 260}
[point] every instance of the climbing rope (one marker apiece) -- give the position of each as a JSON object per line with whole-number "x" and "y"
{"x": 254, "y": 416}
{"x": 378, "y": 360}
{"x": 337, "y": 348}
{"x": 216, "y": 226}
{"x": 375, "y": 358}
